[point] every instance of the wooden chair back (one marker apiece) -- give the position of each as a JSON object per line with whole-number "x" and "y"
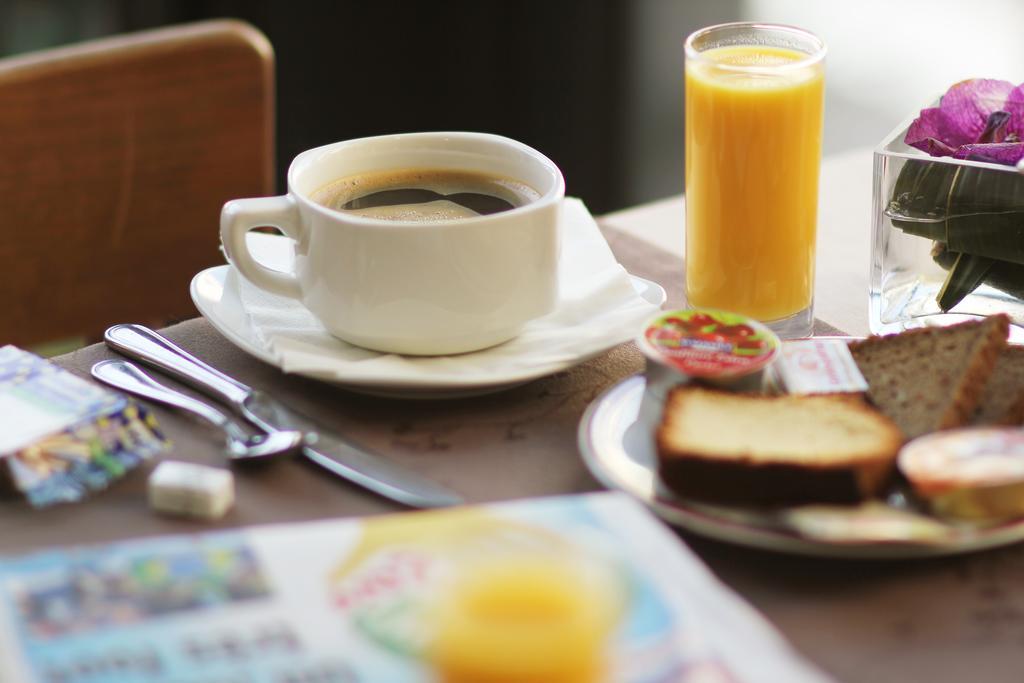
{"x": 115, "y": 158}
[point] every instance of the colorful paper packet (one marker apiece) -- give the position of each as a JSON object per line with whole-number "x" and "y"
{"x": 62, "y": 437}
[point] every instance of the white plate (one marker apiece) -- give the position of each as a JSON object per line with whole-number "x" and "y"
{"x": 219, "y": 302}
{"x": 617, "y": 446}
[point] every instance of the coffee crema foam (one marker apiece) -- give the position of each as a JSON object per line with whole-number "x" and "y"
{"x": 424, "y": 195}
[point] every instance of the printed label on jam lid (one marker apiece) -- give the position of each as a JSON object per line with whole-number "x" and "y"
{"x": 704, "y": 342}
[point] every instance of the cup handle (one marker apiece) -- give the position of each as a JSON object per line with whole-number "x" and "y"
{"x": 238, "y": 217}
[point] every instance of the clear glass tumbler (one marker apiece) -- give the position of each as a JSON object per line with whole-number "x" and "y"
{"x": 754, "y": 112}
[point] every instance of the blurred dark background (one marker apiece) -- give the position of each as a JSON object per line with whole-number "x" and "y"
{"x": 545, "y": 73}
{"x": 352, "y": 69}
{"x": 555, "y": 74}
{"x": 594, "y": 84}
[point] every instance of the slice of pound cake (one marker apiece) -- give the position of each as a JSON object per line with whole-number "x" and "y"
{"x": 931, "y": 378}
{"x": 761, "y": 450}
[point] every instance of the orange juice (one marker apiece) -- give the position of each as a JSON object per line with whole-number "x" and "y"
{"x": 753, "y": 149}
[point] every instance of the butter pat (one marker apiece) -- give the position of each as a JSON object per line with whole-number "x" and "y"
{"x": 184, "y": 488}
{"x": 819, "y": 366}
{"x": 972, "y": 473}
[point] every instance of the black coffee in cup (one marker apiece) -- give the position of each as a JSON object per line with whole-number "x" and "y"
{"x": 424, "y": 195}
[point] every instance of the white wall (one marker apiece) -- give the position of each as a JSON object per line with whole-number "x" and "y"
{"x": 886, "y": 59}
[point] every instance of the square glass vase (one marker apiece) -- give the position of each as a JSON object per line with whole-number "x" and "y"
{"x": 947, "y": 240}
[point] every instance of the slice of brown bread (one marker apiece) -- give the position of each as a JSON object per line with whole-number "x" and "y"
{"x": 771, "y": 450}
{"x": 1002, "y": 401}
{"x": 931, "y": 378}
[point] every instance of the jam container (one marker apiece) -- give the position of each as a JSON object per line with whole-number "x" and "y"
{"x": 973, "y": 474}
{"x": 718, "y": 348}
{"x": 722, "y": 349}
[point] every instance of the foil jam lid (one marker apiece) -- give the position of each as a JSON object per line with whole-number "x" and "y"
{"x": 704, "y": 342}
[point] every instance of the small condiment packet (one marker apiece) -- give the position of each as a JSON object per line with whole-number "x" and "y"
{"x": 185, "y": 488}
{"x": 818, "y": 366}
{"x": 62, "y": 437}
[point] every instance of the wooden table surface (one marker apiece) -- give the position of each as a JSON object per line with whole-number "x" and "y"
{"x": 951, "y": 619}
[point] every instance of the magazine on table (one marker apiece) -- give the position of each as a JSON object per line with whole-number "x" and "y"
{"x": 348, "y": 600}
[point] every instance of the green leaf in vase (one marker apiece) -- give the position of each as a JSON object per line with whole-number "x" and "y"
{"x": 918, "y": 205}
{"x": 985, "y": 214}
{"x": 976, "y": 211}
{"x": 965, "y": 274}
{"x": 1005, "y": 276}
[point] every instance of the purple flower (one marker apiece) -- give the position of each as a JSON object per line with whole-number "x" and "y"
{"x": 1014, "y": 106}
{"x": 980, "y": 119}
{"x": 1006, "y": 153}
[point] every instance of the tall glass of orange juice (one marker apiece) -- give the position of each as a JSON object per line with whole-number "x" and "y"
{"x": 754, "y": 109}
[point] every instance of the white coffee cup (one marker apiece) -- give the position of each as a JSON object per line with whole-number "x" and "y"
{"x": 412, "y": 288}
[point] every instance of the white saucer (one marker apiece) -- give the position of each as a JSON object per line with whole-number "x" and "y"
{"x": 616, "y": 441}
{"x": 217, "y": 297}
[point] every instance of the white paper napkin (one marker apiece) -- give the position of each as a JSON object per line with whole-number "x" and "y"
{"x": 598, "y": 308}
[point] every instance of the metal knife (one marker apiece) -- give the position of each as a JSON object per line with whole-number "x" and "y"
{"x": 330, "y": 451}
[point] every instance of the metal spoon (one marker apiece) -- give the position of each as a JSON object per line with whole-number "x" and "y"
{"x": 239, "y": 446}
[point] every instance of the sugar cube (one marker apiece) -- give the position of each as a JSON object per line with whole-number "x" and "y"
{"x": 192, "y": 490}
